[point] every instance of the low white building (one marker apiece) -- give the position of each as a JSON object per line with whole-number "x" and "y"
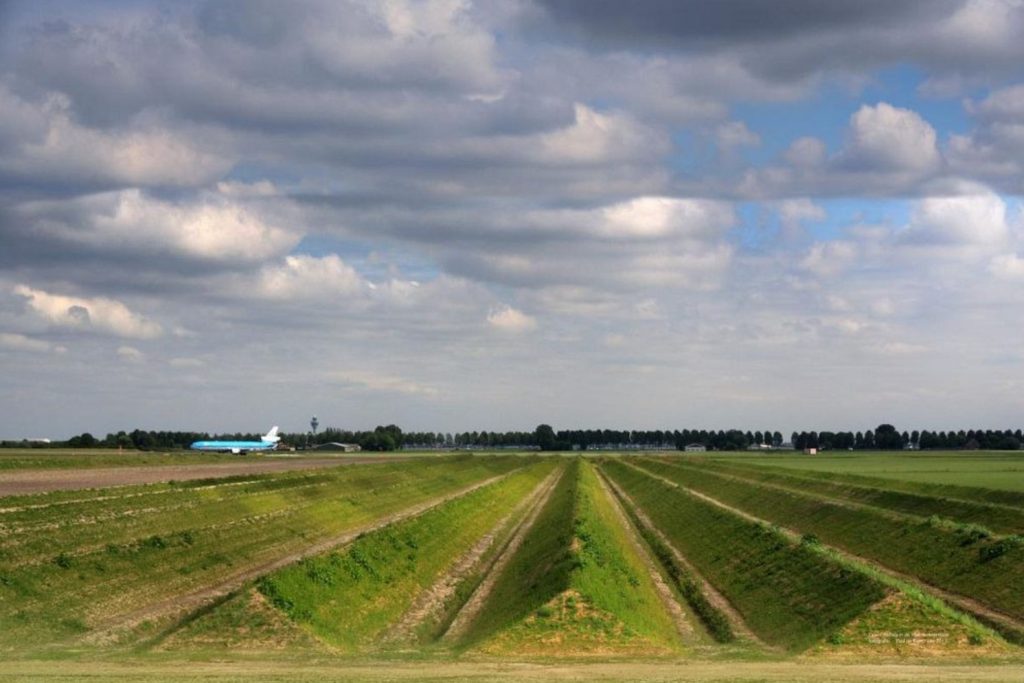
{"x": 695, "y": 448}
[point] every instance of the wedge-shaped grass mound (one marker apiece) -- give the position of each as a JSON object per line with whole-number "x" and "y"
{"x": 963, "y": 559}
{"x": 903, "y": 627}
{"x": 74, "y": 561}
{"x": 789, "y": 595}
{"x": 244, "y": 623}
{"x": 577, "y": 585}
{"x": 999, "y": 518}
{"x": 349, "y": 598}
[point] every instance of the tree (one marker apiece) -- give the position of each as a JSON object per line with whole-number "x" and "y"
{"x": 887, "y": 438}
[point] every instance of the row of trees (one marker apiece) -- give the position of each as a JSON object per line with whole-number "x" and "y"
{"x": 886, "y": 437}
{"x": 544, "y": 437}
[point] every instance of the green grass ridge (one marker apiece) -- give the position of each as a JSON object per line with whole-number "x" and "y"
{"x": 66, "y": 567}
{"x": 683, "y": 581}
{"x": 349, "y": 597}
{"x": 962, "y": 559}
{"x": 580, "y": 586}
{"x": 788, "y": 595}
{"x": 999, "y": 518}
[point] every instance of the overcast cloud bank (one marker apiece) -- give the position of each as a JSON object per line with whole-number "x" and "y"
{"x": 455, "y": 215}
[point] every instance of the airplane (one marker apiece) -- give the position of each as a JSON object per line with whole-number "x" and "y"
{"x": 267, "y": 442}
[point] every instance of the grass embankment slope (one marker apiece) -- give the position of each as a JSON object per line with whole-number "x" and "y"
{"x": 963, "y": 559}
{"x": 71, "y": 563}
{"x": 349, "y": 598}
{"x": 576, "y": 586}
{"x": 790, "y": 596}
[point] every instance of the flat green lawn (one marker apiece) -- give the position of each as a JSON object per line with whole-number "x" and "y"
{"x": 983, "y": 469}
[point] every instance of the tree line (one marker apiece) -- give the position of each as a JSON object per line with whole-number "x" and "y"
{"x": 544, "y": 437}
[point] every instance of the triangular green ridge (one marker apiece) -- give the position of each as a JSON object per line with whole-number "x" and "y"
{"x": 599, "y": 598}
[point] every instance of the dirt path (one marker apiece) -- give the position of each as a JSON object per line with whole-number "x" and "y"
{"x": 476, "y": 601}
{"x": 331, "y": 671}
{"x": 965, "y": 604}
{"x": 25, "y": 482}
{"x": 189, "y": 602}
{"x": 717, "y": 600}
{"x": 668, "y": 598}
{"x": 431, "y": 603}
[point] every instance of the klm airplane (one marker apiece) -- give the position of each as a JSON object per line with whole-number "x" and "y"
{"x": 267, "y": 442}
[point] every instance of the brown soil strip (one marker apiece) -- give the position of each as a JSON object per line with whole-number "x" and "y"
{"x": 25, "y": 482}
{"x": 321, "y": 669}
{"x": 976, "y": 609}
{"x": 668, "y": 598}
{"x": 476, "y": 601}
{"x": 717, "y": 600}
{"x": 183, "y": 604}
{"x": 430, "y": 604}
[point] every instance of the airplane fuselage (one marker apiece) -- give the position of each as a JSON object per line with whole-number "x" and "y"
{"x": 233, "y": 446}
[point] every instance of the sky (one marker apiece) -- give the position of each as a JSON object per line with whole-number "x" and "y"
{"x": 456, "y": 215}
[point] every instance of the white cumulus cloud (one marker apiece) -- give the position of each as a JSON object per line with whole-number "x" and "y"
{"x": 508, "y": 319}
{"x": 308, "y": 277}
{"x": 99, "y": 314}
{"x": 21, "y": 342}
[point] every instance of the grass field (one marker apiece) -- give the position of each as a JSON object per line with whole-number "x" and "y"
{"x": 73, "y": 562}
{"x": 498, "y": 567}
{"x": 999, "y": 470}
{"x": 964, "y": 559}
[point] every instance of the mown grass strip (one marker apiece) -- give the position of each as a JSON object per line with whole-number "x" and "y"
{"x": 1000, "y": 518}
{"x": 350, "y": 597}
{"x": 74, "y": 577}
{"x": 682, "y": 580}
{"x": 962, "y": 559}
{"x": 600, "y": 596}
{"x": 611, "y": 577}
{"x": 788, "y": 595}
{"x": 539, "y": 570}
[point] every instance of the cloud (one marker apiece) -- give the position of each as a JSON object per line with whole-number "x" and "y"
{"x": 994, "y": 149}
{"x": 735, "y": 134}
{"x": 1008, "y": 267}
{"x": 308, "y": 277}
{"x": 387, "y": 384}
{"x": 19, "y": 342}
{"x": 968, "y": 220}
{"x": 511, "y": 320}
{"x": 211, "y": 228}
{"x": 185, "y": 363}
{"x": 41, "y": 140}
{"x": 795, "y": 40}
{"x": 886, "y": 138}
{"x": 886, "y": 150}
{"x": 130, "y": 354}
{"x": 653, "y": 217}
{"x": 100, "y": 314}
{"x": 827, "y": 259}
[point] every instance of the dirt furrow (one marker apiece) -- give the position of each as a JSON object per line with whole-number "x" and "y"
{"x": 717, "y": 600}
{"x": 184, "y": 604}
{"x": 1005, "y": 623}
{"x": 430, "y": 604}
{"x": 476, "y": 601}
